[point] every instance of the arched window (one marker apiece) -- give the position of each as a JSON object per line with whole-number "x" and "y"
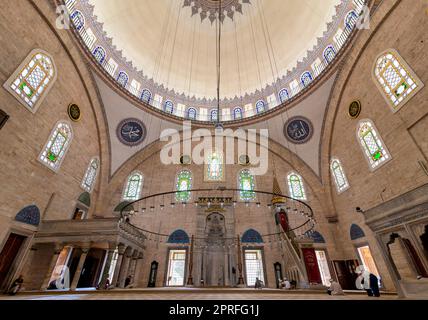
{"x": 351, "y": 19}
{"x": 296, "y": 187}
{"x": 339, "y": 175}
{"x": 356, "y": 232}
{"x": 179, "y": 236}
{"x": 99, "y": 54}
{"x": 123, "y": 78}
{"x": 306, "y": 78}
{"x": 372, "y": 144}
{"x": 329, "y": 54}
{"x": 316, "y": 236}
{"x": 237, "y": 113}
{"x": 90, "y": 177}
{"x": 146, "y": 95}
{"x": 214, "y": 115}
{"x": 183, "y": 185}
{"x": 260, "y": 106}
{"x": 395, "y": 79}
{"x": 78, "y": 20}
{"x": 251, "y": 236}
{"x": 191, "y": 113}
{"x": 33, "y": 79}
{"x": 29, "y": 215}
{"x": 168, "y": 107}
{"x": 57, "y": 146}
{"x": 214, "y": 167}
{"x": 246, "y": 184}
{"x": 283, "y": 95}
{"x": 133, "y": 187}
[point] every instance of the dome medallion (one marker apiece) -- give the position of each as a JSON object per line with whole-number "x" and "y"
{"x": 210, "y": 8}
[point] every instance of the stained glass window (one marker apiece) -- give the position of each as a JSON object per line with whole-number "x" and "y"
{"x": 33, "y": 79}
{"x": 55, "y": 149}
{"x": 339, "y": 175}
{"x": 306, "y": 78}
{"x": 237, "y": 113}
{"x": 396, "y": 80}
{"x": 123, "y": 78}
{"x": 351, "y": 19}
{"x": 283, "y": 95}
{"x": 90, "y": 177}
{"x": 372, "y": 144}
{"x": 168, "y": 107}
{"x": 247, "y": 185}
{"x": 214, "y": 115}
{"x": 146, "y": 95}
{"x": 214, "y": 167}
{"x": 183, "y": 185}
{"x": 329, "y": 54}
{"x": 260, "y": 106}
{"x": 133, "y": 187}
{"x": 78, "y": 19}
{"x": 296, "y": 187}
{"x": 99, "y": 54}
{"x": 191, "y": 113}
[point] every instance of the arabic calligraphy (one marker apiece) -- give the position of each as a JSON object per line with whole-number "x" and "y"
{"x": 298, "y": 130}
{"x": 131, "y": 132}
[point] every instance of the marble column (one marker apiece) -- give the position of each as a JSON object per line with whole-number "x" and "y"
{"x": 121, "y": 250}
{"x": 79, "y": 269}
{"x": 106, "y": 275}
{"x": 125, "y": 267}
{"x": 57, "y": 251}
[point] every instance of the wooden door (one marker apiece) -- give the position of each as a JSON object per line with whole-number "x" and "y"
{"x": 8, "y": 255}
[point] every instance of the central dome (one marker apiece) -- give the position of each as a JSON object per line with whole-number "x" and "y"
{"x": 173, "y": 42}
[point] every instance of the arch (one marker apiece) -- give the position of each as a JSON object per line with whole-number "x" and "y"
{"x": 33, "y": 79}
{"x": 179, "y": 236}
{"x": 122, "y": 78}
{"x": 122, "y": 205}
{"x": 251, "y": 236}
{"x": 146, "y": 95}
{"x": 214, "y": 168}
{"x": 57, "y": 146}
{"x": 237, "y": 113}
{"x": 295, "y": 186}
{"x": 329, "y": 54}
{"x": 283, "y": 95}
{"x": 78, "y": 19}
{"x": 372, "y": 144}
{"x": 168, "y": 107}
{"x": 246, "y": 182}
{"x": 339, "y": 175}
{"x": 85, "y": 198}
{"x": 192, "y": 113}
{"x": 260, "y": 106}
{"x": 133, "y": 187}
{"x": 90, "y": 176}
{"x": 183, "y": 183}
{"x": 356, "y": 232}
{"x": 306, "y": 78}
{"x": 100, "y": 54}
{"x": 316, "y": 236}
{"x": 214, "y": 115}
{"x": 29, "y": 215}
{"x": 397, "y": 82}
{"x": 351, "y": 19}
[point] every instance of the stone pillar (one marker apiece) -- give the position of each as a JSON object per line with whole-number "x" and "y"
{"x": 190, "y": 278}
{"x": 240, "y": 279}
{"x": 125, "y": 267}
{"x": 137, "y": 268}
{"x": 79, "y": 269}
{"x": 121, "y": 250}
{"x": 58, "y": 249}
{"x": 133, "y": 266}
{"x": 106, "y": 275}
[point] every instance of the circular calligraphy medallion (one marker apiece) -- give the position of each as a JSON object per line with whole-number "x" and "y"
{"x": 298, "y": 130}
{"x": 355, "y": 109}
{"x": 244, "y": 160}
{"x": 74, "y": 112}
{"x": 131, "y": 132}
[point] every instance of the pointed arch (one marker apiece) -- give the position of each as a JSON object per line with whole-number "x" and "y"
{"x": 192, "y": 113}
{"x": 90, "y": 176}
{"x": 133, "y": 187}
{"x": 306, "y": 78}
{"x": 260, "y": 106}
{"x": 251, "y": 236}
{"x": 339, "y": 175}
{"x": 296, "y": 186}
{"x": 356, "y": 232}
{"x": 56, "y": 147}
{"x": 122, "y": 78}
{"x": 78, "y": 19}
{"x": 214, "y": 166}
{"x": 283, "y": 95}
{"x": 183, "y": 183}
{"x": 33, "y": 79}
{"x": 329, "y": 54}
{"x": 168, "y": 107}
{"x": 247, "y": 185}
{"x": 29, "y": 215}
{"x": 146, "y": 95}
{"x": 179, "y": 236}
{"x": 237, "y": 113}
